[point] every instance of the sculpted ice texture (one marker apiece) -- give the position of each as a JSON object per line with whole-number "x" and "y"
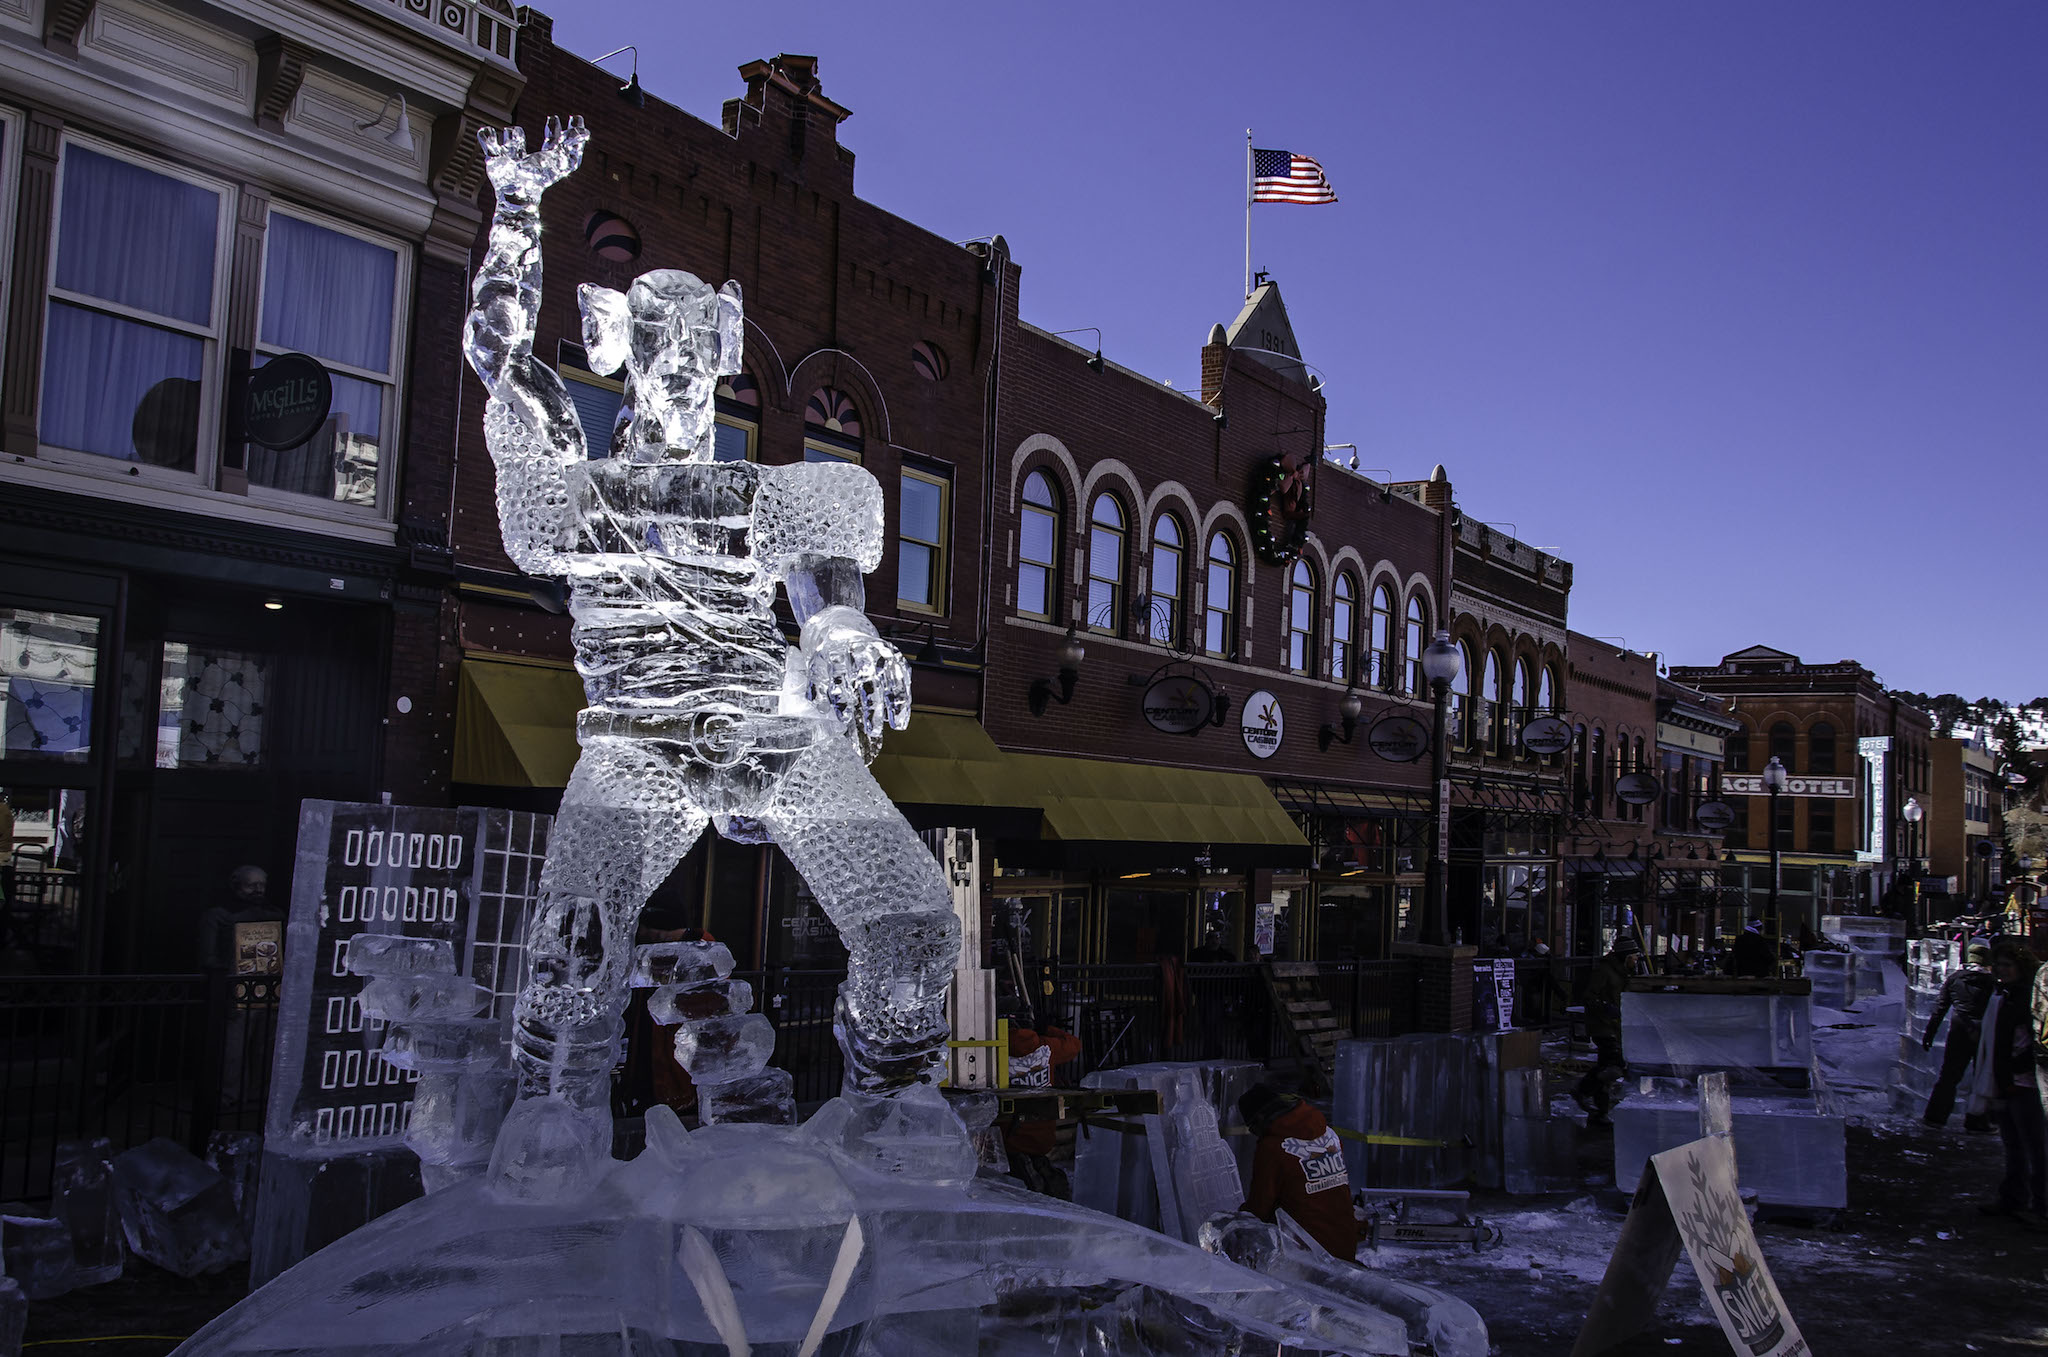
{"x": 700, "y": 714}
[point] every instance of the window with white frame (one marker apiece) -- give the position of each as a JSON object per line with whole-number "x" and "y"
{"x": 131, "y": 339}
{"x": 1106, "y": 565}
{"x": 335, "y": 294}
{"x": 1342, "y": 623}
{"x": 1301, "y": 617}
{"x": 1169, "y": 580}
{"x": 1038, "y": 548}
{"x": 1414, "y": 627}
{"x": 1219, "y": 600}
{"x": 1382, "y": 673}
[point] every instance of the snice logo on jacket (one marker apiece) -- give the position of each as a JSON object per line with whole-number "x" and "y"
{"x": 1322, "y": 1161}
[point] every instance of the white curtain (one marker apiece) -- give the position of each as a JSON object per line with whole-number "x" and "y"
{"x": 130, "y": 235}
{"x": 120, "y": 388}
{"x": 328, "y": 294}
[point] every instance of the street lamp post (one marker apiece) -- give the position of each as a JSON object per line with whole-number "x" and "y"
{"x": 1774, "y": 783}
{"x": 1441, "y": 663}
{"x": 1912, "y": 813}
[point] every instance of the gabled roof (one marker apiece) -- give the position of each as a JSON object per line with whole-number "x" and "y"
{"x": 1758, "y": 653}
{"x": 1263, "y": 332}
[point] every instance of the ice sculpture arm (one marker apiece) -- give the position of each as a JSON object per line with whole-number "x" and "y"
{"x": 530, "y": 423}
{"x": 846, "y": 665}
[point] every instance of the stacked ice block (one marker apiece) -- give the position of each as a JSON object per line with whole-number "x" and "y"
{"x": 1929, "y": 963}
{"x": 1429, "y": 1086}
{"x": 1834, "y": 978}
{"x": 1538, "y": 1151}
{"x": 1874, "y": 941}
{"x": 1683, "y": 1033}
{"x": 1182, "y": 1170}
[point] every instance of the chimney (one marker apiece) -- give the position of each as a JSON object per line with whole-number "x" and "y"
{"x": 788, "y": 123}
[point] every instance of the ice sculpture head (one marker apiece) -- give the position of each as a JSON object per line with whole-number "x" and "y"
{"x": 676, "y": 336}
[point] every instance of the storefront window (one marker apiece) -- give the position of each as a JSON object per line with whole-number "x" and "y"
{"x": 42, "y": 871}
{"x": 210, "y": 708}
{"x": 49, "y": 661}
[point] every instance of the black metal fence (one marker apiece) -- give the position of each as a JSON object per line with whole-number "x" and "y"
{"x": 128, "y": 1057}
{"x": 1545, "y": 987}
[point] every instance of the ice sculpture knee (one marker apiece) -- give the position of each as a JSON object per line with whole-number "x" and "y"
{"x": 699, "y": 712}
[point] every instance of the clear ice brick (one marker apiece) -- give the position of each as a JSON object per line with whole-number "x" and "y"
{"x": 679, "y": 963}
{"x": 36, "y": 1251}
{"x": 441, "y": 1046}
{"x": 395, "y": 954}
{"x": 720, "y": 1050}
{"x": 177, "y": 1212}
{"x": 428, "y": 994}
{"x": 13, "y": 1317}
{"x": 769, "y": 1097}
{"x": 672, "y": 1004}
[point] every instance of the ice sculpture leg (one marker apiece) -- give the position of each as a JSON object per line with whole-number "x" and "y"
{"x": 888, "y": 897}
{"x": 623, "y": 827}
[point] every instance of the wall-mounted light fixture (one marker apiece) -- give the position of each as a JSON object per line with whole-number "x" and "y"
{"x": 1095, "y": 363}
{"x": 1350, "y": 709}
{"x": 401, "y": 131}
{"x": 274, "y": 604}
{"x": 630, "y": 91}
{"x": 1044, "y": 690}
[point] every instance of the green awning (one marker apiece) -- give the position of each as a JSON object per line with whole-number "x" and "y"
{"x": 515, "y": 723}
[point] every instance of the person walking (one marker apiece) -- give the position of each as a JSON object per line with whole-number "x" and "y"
{"x": 1298, "y": 1167}
{"x": 1966, "y": 992}
{"x": 2022, "y": 1121}
{"x": 1602, "y": 996}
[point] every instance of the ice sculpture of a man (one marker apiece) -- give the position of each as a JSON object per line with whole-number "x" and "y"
{"x": 699, "y": 712}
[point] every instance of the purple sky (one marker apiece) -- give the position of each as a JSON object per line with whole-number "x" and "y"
{"x": 1742, "y": 306}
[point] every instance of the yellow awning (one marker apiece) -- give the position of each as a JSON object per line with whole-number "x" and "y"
{"x": 1095, "y": 800}
{"x": 945, "y": 760}
{"x": 515, "y": 723}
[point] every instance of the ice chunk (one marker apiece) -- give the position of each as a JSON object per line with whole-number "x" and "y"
{"x": 177, "y": 1212}
{"x": 442, "y": 1046}
{"x": 769, "y": 1096}
{"x": 679, "y": 963}
{"x": 13, "y": 1317}
{"x": 36, "y": 1251}
{"x": 237, "y": 1156}
{"x": 396, "y": 954}
{"x": 82, "y": 1196}
{"x": 456, "y": 1116}
{"x": 672, "y": 1004}
{"x": 429, "y": 994}
{"x": 720, "y": 1050}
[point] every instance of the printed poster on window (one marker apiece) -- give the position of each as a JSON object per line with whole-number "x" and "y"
{"x": 1699, "y": 1184}
{"x": 1262, "y": 927}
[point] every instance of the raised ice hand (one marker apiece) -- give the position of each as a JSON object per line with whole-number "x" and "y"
{"x": 858, "y": 675}
{"x": 521, "y": 178}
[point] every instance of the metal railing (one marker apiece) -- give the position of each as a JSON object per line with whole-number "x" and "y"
{"x": 1545, "y": 987}
{"x": 128, "y": 1057}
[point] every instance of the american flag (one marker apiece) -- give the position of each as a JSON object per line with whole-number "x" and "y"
{"x": 1284, "y": 177}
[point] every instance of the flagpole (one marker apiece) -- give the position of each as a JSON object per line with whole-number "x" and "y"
{"x": 1247, "y": 213}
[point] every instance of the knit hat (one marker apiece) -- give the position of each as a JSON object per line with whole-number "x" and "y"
{"x": 1262, "y": 1105}
{"x": 1626, "y": 945}
{"x": 1978, "y": 951}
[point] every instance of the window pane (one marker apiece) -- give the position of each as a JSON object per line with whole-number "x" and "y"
{"x": 1165, "y": 572}
{"x": 210, "y": 708}
{"x": 1167, "y": 530}
{"x": 136, "y": 237}
{"x": 597, "y": 409}
{"x": 1038, "y": 490}
{"x": 121, "y": 389}
{"x": 1037, "y": 539}
{"x": 914, "y": 574}
{"x": 729, "y": 442}
{"x": 327, "y": 294}
{"x": 340, "y": 461}
{"x": 1106, "y": 554}
{"x": 921, "y": 504}
{"x": 1101, "y": 604}
{"x": 1214, "y": 632}
{"x": 814, "y": 453}
{"x": 48, "y": 662}
{"x": 1108, "y": 511}
{"x": 1031, "y": 589}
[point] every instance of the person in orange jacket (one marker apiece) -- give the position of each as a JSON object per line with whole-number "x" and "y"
{"x": 1298, "y": 1167}
{"x": 1029, "y": 1144}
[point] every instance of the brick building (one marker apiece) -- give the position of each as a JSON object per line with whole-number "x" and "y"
{"x": 1962, "y": 840}
{"x": 209, "y": 613}
{"x": 1857, "y": 756}
{"x": 1610, "y": 851}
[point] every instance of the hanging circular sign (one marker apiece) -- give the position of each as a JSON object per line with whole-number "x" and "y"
{"x": 1637, "y": 789}
{"x": 288, "y": 400}
{"x": 1178, "y": 704}
{"x": 1716, "y": 817}
{"x": 1261, "y": 723}
{"x": 1546, "y": 735}
{"x": 1398, "y": 738}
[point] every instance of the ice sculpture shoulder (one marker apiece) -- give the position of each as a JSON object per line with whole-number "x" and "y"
{"x": 700, "y": 713}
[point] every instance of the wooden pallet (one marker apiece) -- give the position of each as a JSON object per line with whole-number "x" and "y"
{"x": 1312, "y": 1026}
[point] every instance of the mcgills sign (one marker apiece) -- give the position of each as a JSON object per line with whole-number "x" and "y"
{"x": 289, "y": 398}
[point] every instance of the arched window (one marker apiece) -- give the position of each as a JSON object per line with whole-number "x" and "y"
{"x": 1219, "y": 602}
{"x": 832, "y": 431}
{"x": 1169, "y": 580}
{"x": 1381, "y": 674}
{"x": 1490, "y": 721}
{"x": 738, "y": 421}
{"x": 1106, "y": 565}
{"x": 1546, "y": 692}
{"x": 1038, "y": 548}
{"x": 1581, "y": 790}
{"x": 1637, "y": 765}
{"x": 1596, "y": 774}
{"x": 1414, "y": 628}
{"x": 1820, "y": 748}
{"x": 1519, "y": 709}
{"x": 1785, "y": 744}
{"x": 1301, "y": 617}
{"x": 1342, "y": 619}
{"x": 1460, "y": 729}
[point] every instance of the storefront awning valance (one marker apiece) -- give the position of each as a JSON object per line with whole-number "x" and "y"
{"x": 1092, "y": 800}
{"x": 515, "y": 723}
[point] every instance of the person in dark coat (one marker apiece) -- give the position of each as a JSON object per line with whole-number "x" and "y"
{"x": 1753, "y": 957}
{"x": 1298, "y": 1167}
{"x": 1601, "y": 995}
{"x": 2023, "y": 1193}
{"x": 1967, "y": 993}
